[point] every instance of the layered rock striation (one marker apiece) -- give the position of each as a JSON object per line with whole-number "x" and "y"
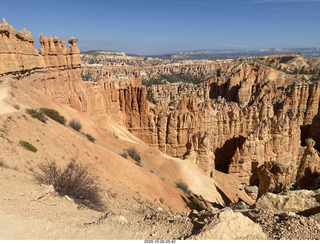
{"x": 248, "y": 115}
{"x": 18, "y": 54}
{"x": 56, "y": 72}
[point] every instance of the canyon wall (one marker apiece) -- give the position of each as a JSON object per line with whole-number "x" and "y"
{"x": 248, "y": 115}
{"x": 56, "y": 72}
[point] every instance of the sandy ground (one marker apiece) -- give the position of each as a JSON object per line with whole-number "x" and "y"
{"x": 5, "y": 107}
{"x": 32, "y": 212}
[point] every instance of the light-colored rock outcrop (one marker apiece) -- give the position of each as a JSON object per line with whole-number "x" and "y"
{"x": 17, "y": 53}
{"x": 274, "y": 176}
{"x": 57, "y": 73}
{"x": 230, "y": 225}
{"x": 294, "y": 201}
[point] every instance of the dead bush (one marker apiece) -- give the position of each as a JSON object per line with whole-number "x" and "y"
{"x": 134, "y": 154}
{"x": 74, "y": 181}
{"x": 124, "y": 155}
{"x": 75, "y": 124}
{"x": 182, "y": 186}
{"x": 90, "y": 137}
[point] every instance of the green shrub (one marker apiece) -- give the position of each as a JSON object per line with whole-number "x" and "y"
{"x": 28, "y": 146}
{"x": 53, "y": 114}
{"x": 16, "y": 106}
{"x": 75, "y": 181}
{"x": 150, "y": 97}
{"x": 75, "y": 124}
{"x": 134, "y": 154}
{"x": 90, "y": 137}
{"x": 34, "y": 113}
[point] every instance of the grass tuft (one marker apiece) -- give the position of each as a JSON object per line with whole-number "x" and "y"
{"x": 28, "y": 146}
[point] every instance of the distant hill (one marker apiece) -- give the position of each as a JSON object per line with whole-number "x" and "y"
{"x": 311, "y": 52}
{"x": 231, "y": 54}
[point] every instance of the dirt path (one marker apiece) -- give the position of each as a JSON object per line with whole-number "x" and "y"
{"x": 13, "y": 227}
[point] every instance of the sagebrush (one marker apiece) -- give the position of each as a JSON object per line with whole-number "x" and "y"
{"x": 75, "y": 124}
{"x": 35, "y": 113}
{"x": 16, "y": 106}
{"x": 90, "y": 137}
{"x": 124, "y": 155}
{"x": 75, "y": 181}
{"x": 134, "y": 154}
{"x": 53, "y": 114}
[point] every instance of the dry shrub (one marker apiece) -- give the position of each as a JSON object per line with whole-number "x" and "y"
{"x": 75, "y": 181}
{"x": 75, "y": 124}
{"x": 134, "y": 154}
{"x": 53, "y": 114}
{"x": 35, "y": 113}
{"x": 182, "y": 186}
{"x": 90, "y": 137}
{"x": 124, "y": 155}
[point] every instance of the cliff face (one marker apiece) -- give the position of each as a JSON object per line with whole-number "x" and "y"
{"x": 200, "y": 131}
{"x": 56, "y": 72}
{"x": 17, "y": 53}
{"x": 280, "y": 137}
{"x": 248, "y": 115}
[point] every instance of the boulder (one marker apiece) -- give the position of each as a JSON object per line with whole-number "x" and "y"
{"x": 229, "y": 225}
{"x": 294, "y": 201}
{"x": 252, "y": 191}
{"x": 275, "y": 176}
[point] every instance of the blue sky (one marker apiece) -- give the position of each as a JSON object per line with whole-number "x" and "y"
{"x": 165, "y": 26}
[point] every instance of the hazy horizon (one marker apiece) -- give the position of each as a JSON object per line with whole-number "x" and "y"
{"x": 157, "y": 27}
{"x": 215, "y": 51}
